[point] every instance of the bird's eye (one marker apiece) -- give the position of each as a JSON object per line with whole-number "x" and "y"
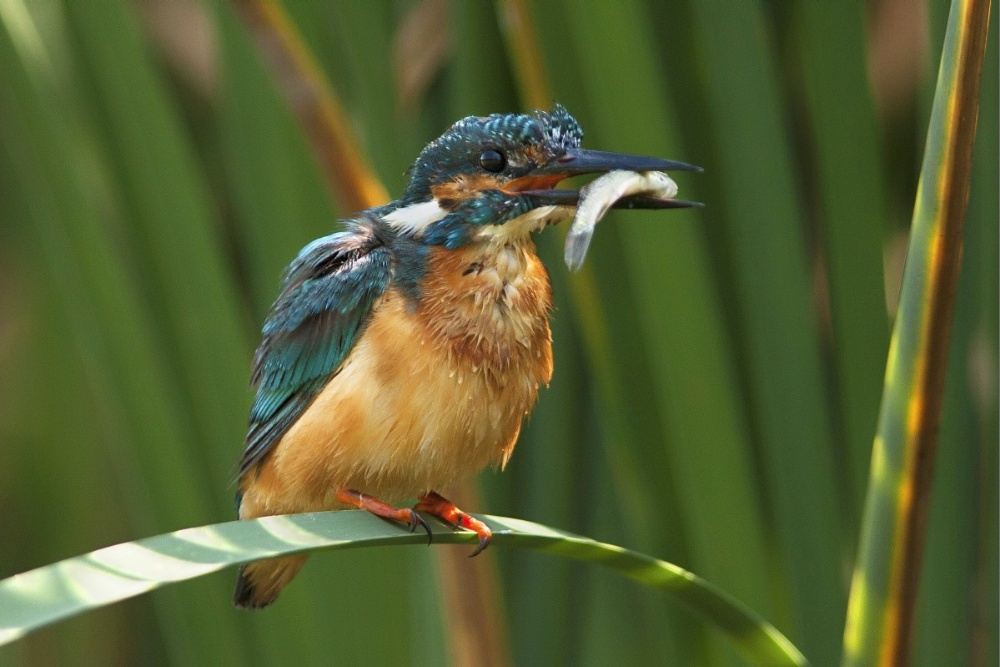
{"x": 492, "y": 160}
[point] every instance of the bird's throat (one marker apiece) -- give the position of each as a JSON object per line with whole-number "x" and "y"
{"x": 489, "y": 302}
{"x": 518, "y": 231}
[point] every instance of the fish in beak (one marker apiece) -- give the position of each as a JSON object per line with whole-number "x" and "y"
{"x": 627, "y": 181}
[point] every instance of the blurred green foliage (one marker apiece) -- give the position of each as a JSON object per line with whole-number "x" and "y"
{"x": 715, "y": 395}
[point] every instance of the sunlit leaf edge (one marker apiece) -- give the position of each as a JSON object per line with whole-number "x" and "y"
{"x": 39, "y": 597}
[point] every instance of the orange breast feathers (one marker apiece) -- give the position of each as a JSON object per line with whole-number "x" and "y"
{"x": 428, "y": 395}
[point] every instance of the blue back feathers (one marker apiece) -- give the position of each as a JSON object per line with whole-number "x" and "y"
{"x": 325, "y": 302}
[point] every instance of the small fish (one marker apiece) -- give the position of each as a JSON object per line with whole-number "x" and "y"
{"x": 600, "y": 195}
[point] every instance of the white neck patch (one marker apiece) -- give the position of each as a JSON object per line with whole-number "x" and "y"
{"x": 416, "y": 217}
{"x": 521, "y": 227}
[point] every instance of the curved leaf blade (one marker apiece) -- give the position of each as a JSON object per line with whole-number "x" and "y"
{"x": 884, "y": 585}
{"x": 37, "y": 598}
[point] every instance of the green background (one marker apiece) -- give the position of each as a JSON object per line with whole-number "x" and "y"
{"x": 718, "y": 372}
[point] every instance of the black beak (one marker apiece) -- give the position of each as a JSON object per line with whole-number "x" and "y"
{"x": 579, "y": 161}
{"x": 572, "y": 198}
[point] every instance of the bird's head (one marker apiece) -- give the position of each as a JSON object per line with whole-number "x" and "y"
{"x": 496, "y": 174}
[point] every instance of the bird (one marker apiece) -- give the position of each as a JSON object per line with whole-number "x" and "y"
{"x": 404, "y": 351}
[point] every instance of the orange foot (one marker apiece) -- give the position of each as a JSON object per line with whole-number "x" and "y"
{"x": 384, "y": 510}
{"x": 439, "y": 506}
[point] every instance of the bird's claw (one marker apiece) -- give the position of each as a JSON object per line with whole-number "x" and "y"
{"x": 417, "y": 520}
{"x": 406, "y": 516}
{"x": 484, "y": 541}
{"x": 437, "y": 505}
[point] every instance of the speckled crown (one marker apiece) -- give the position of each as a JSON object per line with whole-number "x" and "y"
{"x": 561, "y": 129}
{"x": 464, "y": 140}
{"x": 556, "y": 127}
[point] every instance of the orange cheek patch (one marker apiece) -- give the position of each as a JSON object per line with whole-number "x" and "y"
{"x": 533, "y": 183}
{"x": 463, "y": 187}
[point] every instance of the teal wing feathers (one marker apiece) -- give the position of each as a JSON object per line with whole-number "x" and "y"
{"x": 325, "y": 303}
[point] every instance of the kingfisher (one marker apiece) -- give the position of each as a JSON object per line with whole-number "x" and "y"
{"x": 403, "y": 353}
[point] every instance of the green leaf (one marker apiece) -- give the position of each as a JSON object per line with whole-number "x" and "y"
{"x": 164, "y": 196}
{"x": 884, "y": 586}
{"x": 145, "y": 446}
{"x": 37, "y": 598}
{"x": 275, "y": 183}
{"x": 851, "y": 183}
{"x": 665, "y": 272}
{"x": 763, "y": 239}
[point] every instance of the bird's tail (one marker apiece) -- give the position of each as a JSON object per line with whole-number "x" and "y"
{"x": 259, "y": 583}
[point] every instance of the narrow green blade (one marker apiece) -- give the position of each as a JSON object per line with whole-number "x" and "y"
{"x": 33, "y": 599}
{"x": 851, "y": 182}
{"x": 172, "y": 224}
{"x": 884, "y": 586}
{"x": 779, "y": 336}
